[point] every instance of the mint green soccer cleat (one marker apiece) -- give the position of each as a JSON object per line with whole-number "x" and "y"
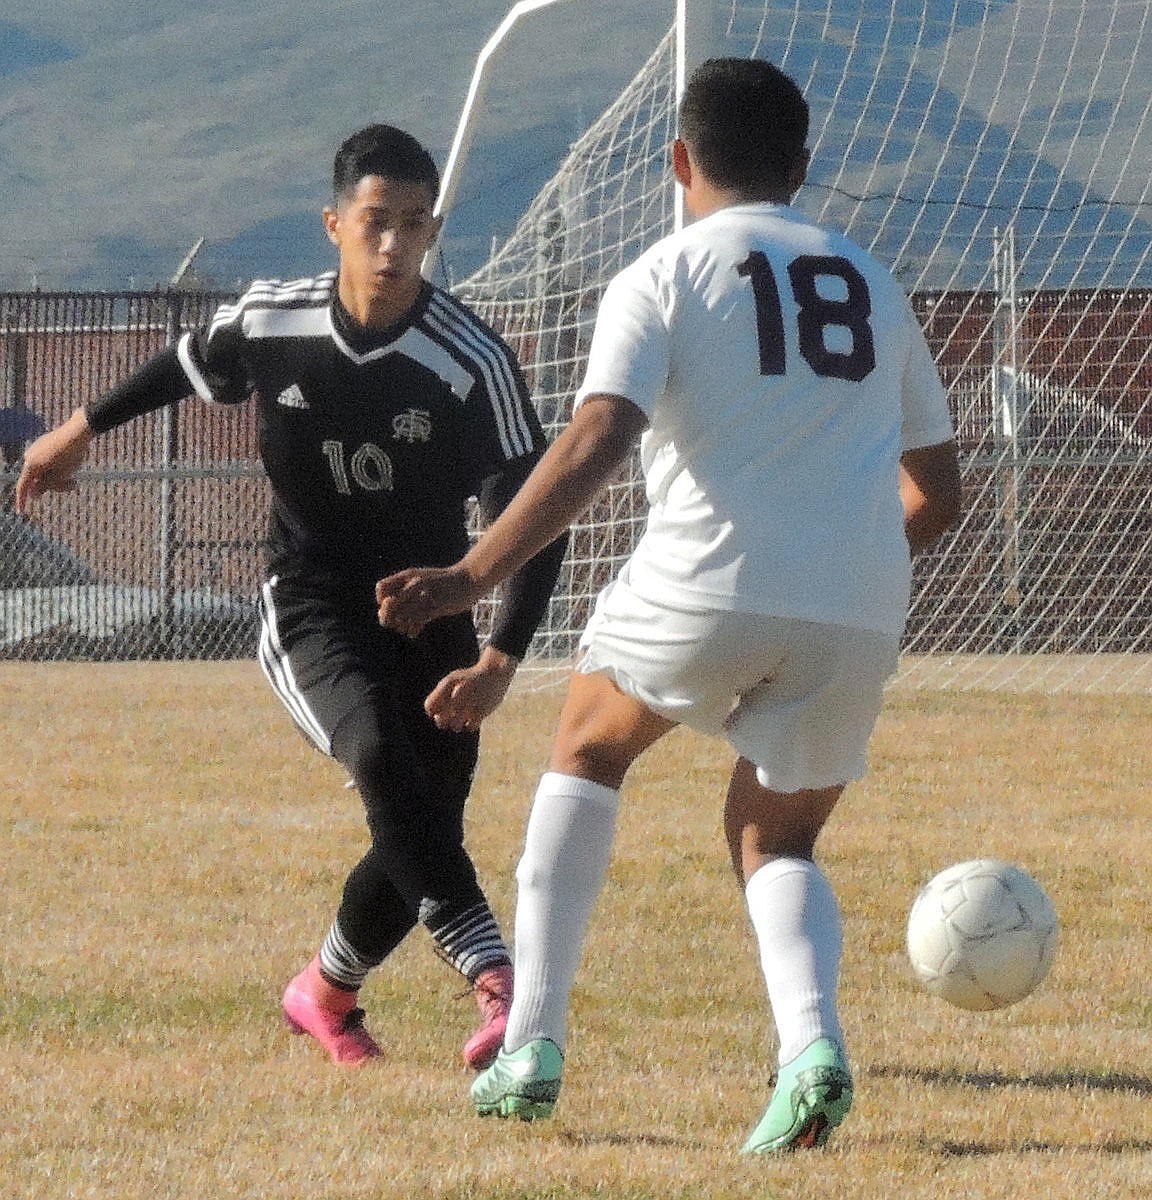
{"x": 813, "y": 1095}
{"x": 522, "y": 1084}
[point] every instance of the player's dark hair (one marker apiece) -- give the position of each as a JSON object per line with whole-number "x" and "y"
{"x": 745, "y": 121}
{"x": 386, "y": 151}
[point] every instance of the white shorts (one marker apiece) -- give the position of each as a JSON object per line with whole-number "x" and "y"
{"x": 796, "y": 698}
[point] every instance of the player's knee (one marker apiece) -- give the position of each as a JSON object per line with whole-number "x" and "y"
{"x": 359, "y": 746}
{"x": 365, "y": 763}
{"x": 795, "y": 845}
{"x": 593, "y": 760}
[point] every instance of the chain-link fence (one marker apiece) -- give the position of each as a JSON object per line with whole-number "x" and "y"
{"x": 157, "y": 553}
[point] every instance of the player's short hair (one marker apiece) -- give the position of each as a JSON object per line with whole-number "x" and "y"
{"x": 386, "y": 151}
{"x": 745, "y": 121}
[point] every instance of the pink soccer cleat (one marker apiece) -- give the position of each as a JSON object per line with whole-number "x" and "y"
{"x": 493, "y": 991}
{"x": 314, "y": 1006}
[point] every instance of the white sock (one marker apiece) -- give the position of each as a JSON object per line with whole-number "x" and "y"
{"x": 566, "y": 853}
{"x": 797, "y": 923}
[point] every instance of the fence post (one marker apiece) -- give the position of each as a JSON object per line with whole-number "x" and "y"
{"x": 169, "y": 449}
{"x": 1006, "y": 392}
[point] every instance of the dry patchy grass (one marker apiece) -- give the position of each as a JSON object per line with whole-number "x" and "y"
{"x": 172, "y": 853}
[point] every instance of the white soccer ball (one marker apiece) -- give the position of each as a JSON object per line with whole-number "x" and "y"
{"x": 982, "y": 934}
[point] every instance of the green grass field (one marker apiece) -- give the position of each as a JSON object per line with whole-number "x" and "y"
{"x": 172, "y": 853}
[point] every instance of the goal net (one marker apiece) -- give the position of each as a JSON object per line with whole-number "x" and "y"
{"x": 994, "y": 153}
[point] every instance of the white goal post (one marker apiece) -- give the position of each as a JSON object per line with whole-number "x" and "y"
{"x": 693, "y": 33}
{"x": 994, "y": 153}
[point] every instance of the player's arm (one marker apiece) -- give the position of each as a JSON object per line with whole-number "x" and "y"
{"x": 572, "y": 471}
{"x": 930, "y": 492}
{"x": 465, "y": 697}
{"x": 527, "y": 592}
{"x": 52, "y": 461}
{"x": 929, "y": 468}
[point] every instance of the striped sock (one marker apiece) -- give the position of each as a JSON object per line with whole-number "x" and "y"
{"x": 470, "y": 940}
{"x": 341, "y": 963}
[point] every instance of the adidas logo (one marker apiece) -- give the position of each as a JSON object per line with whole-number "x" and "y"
{"x": 292, "y": 397}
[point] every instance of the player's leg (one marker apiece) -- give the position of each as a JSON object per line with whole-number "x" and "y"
{"x": 371, "y": 921}
{"x": 357, "y": 693}
{"x": 772, "y": 836}
{"x": 469, "y": 937}
{"x": 309, "y": 655}
{"x": 761, "y": 824}
{"x": 414, "y": 780}
{"x": 568, "y": 845}
{"x": 799, "y": 935}
{"x": 567, "y": 849}
{"x": 645, "y": 667}
{"x": 808, "y": 726}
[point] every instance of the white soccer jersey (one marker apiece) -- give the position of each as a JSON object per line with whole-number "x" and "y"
{"x": 782, "y": 373}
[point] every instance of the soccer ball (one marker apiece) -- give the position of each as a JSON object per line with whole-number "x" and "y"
{"x": 982, "y": 934}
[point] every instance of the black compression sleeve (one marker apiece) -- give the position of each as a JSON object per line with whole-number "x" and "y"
{"x": 160, "y": 381}
{"x": 525, "y": 599}
{"x": 526, "y": 594}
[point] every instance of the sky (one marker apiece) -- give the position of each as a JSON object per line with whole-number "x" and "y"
{"x": 133, "y": 128}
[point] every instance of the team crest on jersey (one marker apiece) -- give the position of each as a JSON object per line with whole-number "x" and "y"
{"x": 292, "y": 397}
{"x": 412, "y": 425}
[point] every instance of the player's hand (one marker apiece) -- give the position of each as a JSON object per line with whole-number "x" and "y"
{"x": 410, "y": 599}
{"x": 463, "y": 698}
{"x": 52, "y": 460}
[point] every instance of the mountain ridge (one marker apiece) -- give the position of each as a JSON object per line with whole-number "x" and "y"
{"x": 121, "y": 149}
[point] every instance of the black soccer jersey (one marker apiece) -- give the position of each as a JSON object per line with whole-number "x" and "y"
{"x": 373, "y": 439}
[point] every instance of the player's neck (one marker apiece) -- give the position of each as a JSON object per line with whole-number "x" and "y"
{"x": 708, "y": 199}
{"x": 703, "y": 196}
{"x": 374, "y": 310}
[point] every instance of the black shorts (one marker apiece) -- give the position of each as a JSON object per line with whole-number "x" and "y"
{"x": 326, "y": 654}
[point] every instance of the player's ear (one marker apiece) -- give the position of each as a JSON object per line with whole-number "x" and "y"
{"x": 437, "y": 223}
{"x": 799, "y": 172}
{"x": 331, "y": 219}
{"x": 681, "y": 163}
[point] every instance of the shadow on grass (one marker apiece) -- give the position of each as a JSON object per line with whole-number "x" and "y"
{"x": 988, "y": 1149}
{"x": 1053, "y": 1081}
{"x": 572, "y": 1138}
